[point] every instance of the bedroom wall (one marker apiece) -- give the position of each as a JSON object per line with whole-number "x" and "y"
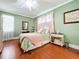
{"x": 35, "y": 23}
{"x": 71, "y": 31}
{"x": 18, "y": 23}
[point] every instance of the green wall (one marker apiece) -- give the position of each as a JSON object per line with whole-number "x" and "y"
{"x": 71, "y": 31}
{"x": 35, "y": 23}
{"x": 18, "y": 23}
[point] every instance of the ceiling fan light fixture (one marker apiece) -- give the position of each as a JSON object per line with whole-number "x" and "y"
{"x": 29, "y": 4}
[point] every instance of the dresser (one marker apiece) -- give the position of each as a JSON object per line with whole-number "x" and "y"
{"x": 57, "y": 39}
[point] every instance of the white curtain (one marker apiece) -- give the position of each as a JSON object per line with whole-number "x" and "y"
{"x": 7, "y": 26}
{"x": 46, "y": 21}
{"x": 0, "y": 28}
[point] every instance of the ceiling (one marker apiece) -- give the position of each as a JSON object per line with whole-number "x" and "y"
{"x": 43, "y": 6}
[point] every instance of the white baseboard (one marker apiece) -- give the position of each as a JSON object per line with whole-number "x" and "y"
{"x": 11, "y": 38}
{"x": 74, "y": 46}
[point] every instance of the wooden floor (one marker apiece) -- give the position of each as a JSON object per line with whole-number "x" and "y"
{"x": 49, "y": 51}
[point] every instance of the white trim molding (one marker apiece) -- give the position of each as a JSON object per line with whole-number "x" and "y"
{"x": 74, "y": 46}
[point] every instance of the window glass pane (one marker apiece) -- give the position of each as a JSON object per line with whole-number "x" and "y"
{"x": 45, "y": 21}
{"x": 8, "y": 23}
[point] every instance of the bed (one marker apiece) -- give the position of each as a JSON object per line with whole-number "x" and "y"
{"x": 31, "y": 41}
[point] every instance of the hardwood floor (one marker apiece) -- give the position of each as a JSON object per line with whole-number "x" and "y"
{"x": 49, "y": 51}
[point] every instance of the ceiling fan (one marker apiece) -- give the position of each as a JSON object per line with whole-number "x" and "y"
{"x": 30, "y": 4}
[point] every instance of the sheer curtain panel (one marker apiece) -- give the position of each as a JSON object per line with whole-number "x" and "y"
{"x": 46, "y": 21}
{"x": 7, "y": 26}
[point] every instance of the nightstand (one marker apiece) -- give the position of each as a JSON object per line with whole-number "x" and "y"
{"x": 57, "y": 39}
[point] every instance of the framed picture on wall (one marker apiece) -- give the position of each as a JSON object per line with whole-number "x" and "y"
{"x": 71, "y": 16}
{"x": 25, "y": 25}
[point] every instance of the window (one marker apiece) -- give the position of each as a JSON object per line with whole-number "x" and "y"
{"x": 8, "y": 23}
{"x": 7, "y": 26}
{"x": 45, "y": 21}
